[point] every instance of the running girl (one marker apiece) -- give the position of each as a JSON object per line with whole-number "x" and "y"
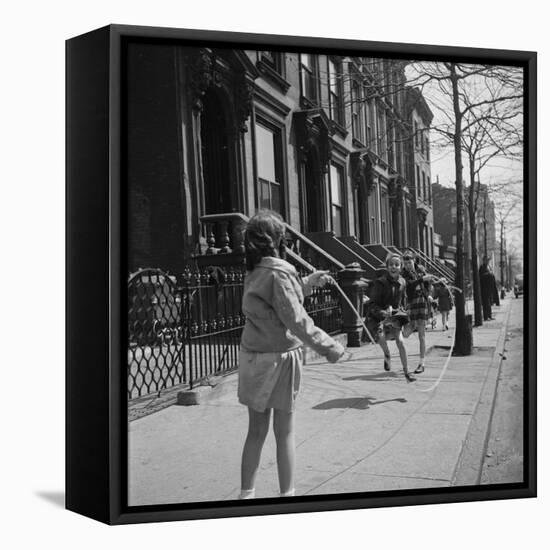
{"x": 385, "y": 314}
{"x": 418, "y": 303}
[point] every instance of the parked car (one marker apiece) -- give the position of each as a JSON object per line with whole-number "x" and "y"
{"x": 518, "y": 285}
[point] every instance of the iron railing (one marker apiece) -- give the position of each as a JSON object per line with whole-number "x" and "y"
{"x": 184, "y": 329}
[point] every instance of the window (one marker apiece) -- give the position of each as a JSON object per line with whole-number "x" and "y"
{"x": 308, "y": 76}
{"x": 427, "y": 148}
{"x": 275, "y": 60}
{"x": 429, "y": 189}
{"x": 370, "y": 124}
{"x": 391, "y": 144}
{"x": 418, "y": 186}
{"x": 398, "y": 150}
{"x": 356, "y": 126}
{"x": 422, "y": 141}
{"x": 382, "y": 138}
{"x": 335, "y": 92}
{"x": 385, "y": 218}
{"x": 424, "y": 190}
{"x": 415, "y": 133}
{"x": 337, "y": 198}
{"x": 269, "y": 163}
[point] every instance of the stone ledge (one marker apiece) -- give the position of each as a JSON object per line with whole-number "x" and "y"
{"x": 193, "y": 397}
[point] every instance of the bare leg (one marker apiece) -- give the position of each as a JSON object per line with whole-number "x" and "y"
{"x": 384, "y": 345}
{"x": 403, "y": 355}
{"x": 422, "y": 340}
{"x": 283, "y": 427}
{"x": 258, "y": 426}
{"x": 402, "y": 351}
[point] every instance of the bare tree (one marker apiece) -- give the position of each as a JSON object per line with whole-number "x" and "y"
{"x": 491, "y": 131}
{"x": 473, "y": 101}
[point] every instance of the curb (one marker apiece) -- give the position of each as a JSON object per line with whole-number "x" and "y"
{"x": 206, "y": 393}
{"x": 180, "y": 394}
{"x": 469, "y": 466}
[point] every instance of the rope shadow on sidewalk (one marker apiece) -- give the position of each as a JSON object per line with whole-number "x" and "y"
{"x": 361, "y": 403}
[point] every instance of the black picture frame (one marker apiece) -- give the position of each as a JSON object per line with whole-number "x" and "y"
{"x": 96, "y": 425}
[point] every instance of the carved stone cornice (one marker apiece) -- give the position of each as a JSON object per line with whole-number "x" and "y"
{"x": 421, "y": 212}
{"x": 396, "y": 191}
{"x": 361, "y": 172}
{"x": 244, "y": 93}
{"x": 231, "y": 72}
{"x": 201, "y": 69}
{"x": 313, "y": 131}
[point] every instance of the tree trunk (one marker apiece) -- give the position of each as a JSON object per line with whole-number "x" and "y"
{"x": 463, "y": 334}
{"x": 478, "y": 314}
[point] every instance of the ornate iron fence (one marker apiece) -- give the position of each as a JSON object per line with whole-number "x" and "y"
{"x": 186, "y": 328}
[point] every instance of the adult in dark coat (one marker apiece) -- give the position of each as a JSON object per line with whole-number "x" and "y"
{"x": 495, "y": 299}
{"x": 487, "y": 285}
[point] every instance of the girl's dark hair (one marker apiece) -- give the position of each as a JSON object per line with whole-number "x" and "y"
{"x": 264, "y": 236}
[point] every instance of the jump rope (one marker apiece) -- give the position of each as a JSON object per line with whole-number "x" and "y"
{"x": 332, "y": 281}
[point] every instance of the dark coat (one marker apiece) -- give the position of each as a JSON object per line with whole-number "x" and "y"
{"x": 485, "y": 279}
{"x": 385, "y": 292}
{"x": 443, "y": 296}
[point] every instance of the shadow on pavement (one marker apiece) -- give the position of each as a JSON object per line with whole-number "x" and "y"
{"x": 379, "y": 377}
{"x": 354, "y": 403}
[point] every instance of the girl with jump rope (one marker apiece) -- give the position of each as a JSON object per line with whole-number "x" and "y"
{"x": 271, "y": 354}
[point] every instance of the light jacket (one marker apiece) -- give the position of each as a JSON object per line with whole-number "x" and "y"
{"x": 276, "y": 320}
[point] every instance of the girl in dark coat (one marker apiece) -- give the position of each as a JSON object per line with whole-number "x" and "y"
{"x": 385, "y": 312}
{"x": 444, "y": 302}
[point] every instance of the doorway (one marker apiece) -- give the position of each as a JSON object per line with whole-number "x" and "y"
{"x": 215, "y": 150}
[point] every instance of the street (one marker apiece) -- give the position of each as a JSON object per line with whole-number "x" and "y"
{"x": 358, "y": 428}
{"x": 504, "y": 458}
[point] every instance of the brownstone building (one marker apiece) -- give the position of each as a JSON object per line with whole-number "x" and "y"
{"x": 338, "y": 145}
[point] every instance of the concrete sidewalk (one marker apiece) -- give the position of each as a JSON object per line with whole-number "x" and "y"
{"x": 358, "y": 428}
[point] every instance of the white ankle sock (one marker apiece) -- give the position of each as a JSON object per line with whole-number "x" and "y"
{"x": 247, "y": 493}
{"x": 289, "y": 493}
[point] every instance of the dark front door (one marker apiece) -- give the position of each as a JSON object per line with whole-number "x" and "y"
{"x": 313, "y": 195}
{"x": 215, "y": 156}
